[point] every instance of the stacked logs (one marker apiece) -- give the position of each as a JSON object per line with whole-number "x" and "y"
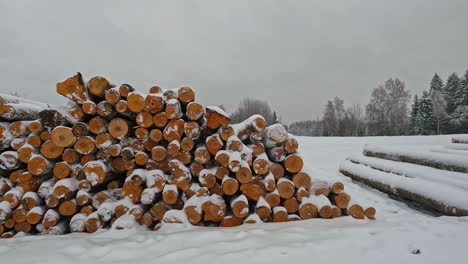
{"x": 115, "y": 158}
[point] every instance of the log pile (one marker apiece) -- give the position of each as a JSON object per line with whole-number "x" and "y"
{"x": 116, "y": 158}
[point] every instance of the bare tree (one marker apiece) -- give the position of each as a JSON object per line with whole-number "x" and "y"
{"x": 249, "y": 107}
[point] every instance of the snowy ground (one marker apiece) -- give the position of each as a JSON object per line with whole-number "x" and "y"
{"x": 398, "y": 233}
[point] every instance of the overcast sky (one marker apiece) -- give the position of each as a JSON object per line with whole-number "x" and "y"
{"x": 295, "y": 54}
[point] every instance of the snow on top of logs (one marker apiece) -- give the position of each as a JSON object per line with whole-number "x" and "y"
{"x": 70, "y": 183}
{"x": 278, "y": 209}
{"x": 126, "y": 221}
{"x": 253, "y": 219}
{"x": 262, "y": 203}
{"x": 11, "y": 99}
{"x": 250, "y": 122}
{"x": 40, "y": 210}
{"x": 176, "y": 216}
{"x": 5, "y": 207}
{"x": 318, "y": 200}
{"x": 217, "y": 110}
{"x": 448, "y": 159}
{"x": 196, "y": 202}
{"x": 240, "y": 198}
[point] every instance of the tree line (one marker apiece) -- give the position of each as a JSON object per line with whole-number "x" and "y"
{"x": 440, "y": 110}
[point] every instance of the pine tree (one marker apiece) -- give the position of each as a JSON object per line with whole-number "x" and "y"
{"x": 462, "y": 94}
{"x": 414, "y": 129}
{"x": 438, "y": 108}
{"x": 425, "y": 116}
{"x": 436, "y": 84}
{"x": 451, "y": 89}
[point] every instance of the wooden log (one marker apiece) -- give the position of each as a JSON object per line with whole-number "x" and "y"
{"x": 231, "y": 221}
{"x": 222, "y": 158}
{"x": 302, "y": 179}
{"x": 253, "y": 191}
{"x": 25, "y": 152}
{"x": 78, "y": 223}
{"x": 195, "y": 111}
{"x": 158, "y": 210}
{"x": 291, "y": 145}
{"x": 50, "y": 150}
{"x": 320, "y": 187}
{"x": 307, "y": 210}
{"x": 97, "y": 125}
{"x": 19, "y": 128}
{"x": 154, "y": 103}
{"x": 174, "y": 130}
{"x": 97, "y": 172}
{"x": 112, "y": 96}
{"x": 23, "y": 227}
{"x": 73, "y": 88}
{"x": 89, "y": 108}
{"x": 12, "y": 112}
{"x": 216, "y": 117}
{"x": 244, "y": 174}
{"x": 170, "y": 194}
{"x": 277, "y": 154}
{"x": 214, "y": 209}
{"x": 186, "y": 94}
{"x": 356, "y": 211}
{"x": 39, "y": 165}
{"x": 68, "y": 208}
{"x": 261, "y": 165}
{"x": 214, "y": 144}
{"x": 341, "y": 200}
{"x": 132, "y": 191}
{"x": 35, "y": 126}
{"x": 51, "y": 218}
{"x": 159, "y": 153}
{"x": 160, "y": 120}
{"x": 337, "y": 188}
{"x": 240, "y": 206}
{"x": 85, "y": 145}
{"x": 155, "y": 90}
{"x": 263, "y": 209}
{"x": 280, "y": 214}
{"x": 93, "y": 223}
{"x": 293, "y": 163}
{"x": 269, "y": 182}
{"x": 370, "y": 213}
{"x": 252, "y": 219}
{"x": 277, "y": 170}
{"x": 173, "y": 109}
{"x": 31, "y": 200}
{"x": 273, "y": 198}
{"x": 336, "y": 212}
{"x": 291, "y": 205}
{"x": 202, "y": 155}
{"x": 36, "y": 214}
{"x": 5, "y": 211}
{"x": 105, "y": 110}
{"x": 274, "y": 135}
{"x": 125, "y": 90}
{"x": 230, "y": 185}
{"x": 285, "y": 188}
{"x": 118, "y": 128}
{"x": 136, "y": 102}
{"x": 98, "y": 85}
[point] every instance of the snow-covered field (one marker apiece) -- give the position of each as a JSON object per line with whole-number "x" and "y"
{"x": 399, "y": 235}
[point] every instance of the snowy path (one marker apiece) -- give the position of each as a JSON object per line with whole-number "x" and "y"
{"x": 397, "y": 232}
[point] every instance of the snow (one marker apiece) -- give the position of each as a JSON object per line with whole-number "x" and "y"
{"x": 262, "y": 203}
{"x": 397, "y": 232}
{"x": 454, "y": 179}
{"x": 416, "y": 153}
{"x": 240, "y": 198}
{"x": 217, "y": 110}
{"x": 461, "y": 138}
{"x": 457, "y": 146}
{"x": 317, "y": 200}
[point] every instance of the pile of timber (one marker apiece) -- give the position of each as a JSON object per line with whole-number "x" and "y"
{"x": 436, "y": 179}
{"x": 117, "y": 158}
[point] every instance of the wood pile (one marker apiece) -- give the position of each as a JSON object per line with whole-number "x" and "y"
{"x": 116, "y": 158}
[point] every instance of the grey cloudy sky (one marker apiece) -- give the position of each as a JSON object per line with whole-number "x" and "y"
{"x": 295, "y": 54}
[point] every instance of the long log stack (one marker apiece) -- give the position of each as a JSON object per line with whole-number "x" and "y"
{"x": 115, "y": 158}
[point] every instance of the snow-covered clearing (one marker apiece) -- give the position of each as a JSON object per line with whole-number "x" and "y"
{"x": 398, "y": 233}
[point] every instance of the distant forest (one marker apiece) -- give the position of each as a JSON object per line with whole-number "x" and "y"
{"x": 442, "y": 109}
